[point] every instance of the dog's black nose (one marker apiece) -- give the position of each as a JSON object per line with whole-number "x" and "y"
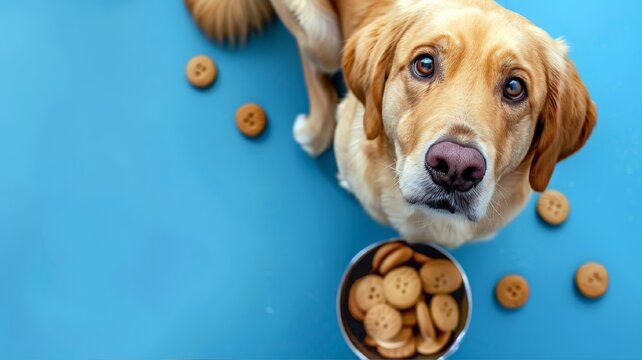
{"x": 455, "y": 167}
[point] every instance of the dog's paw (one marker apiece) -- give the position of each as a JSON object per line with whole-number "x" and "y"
{"x": 314, "y": 135}
{"x": 487, "y": 237}
{"x": 343, "y": 183}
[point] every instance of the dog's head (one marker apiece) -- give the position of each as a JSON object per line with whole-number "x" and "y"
{"x": 466, "y": 92}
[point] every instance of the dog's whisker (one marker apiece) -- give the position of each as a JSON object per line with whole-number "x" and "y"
{"x": 500, "y": 191}
{"x": 494, "y": 208}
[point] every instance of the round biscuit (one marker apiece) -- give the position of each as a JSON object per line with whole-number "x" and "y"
{"x": 431, "y": 346}
{"x": 398, "y": 341}
{"x": 382, "y": 322}
{"x": 201, "y": 71}
{"x": 402, "y": 287}
{"x": 440, "y": 276}
{"x": 426, "y": 327}
{"x": 553, "y": 207}
{"x": 383, "y": 251}
{"x": 512, "y": 291}
{"x": 592, "y": 280}
{"x": 353, "y": 308}
{"x": 369, "y": 292}
{"x": 409, "y": 349}
{"x": 396, "y": 258}
{"x": 445, "y": 312}
{"x": 420, "y": 258}
{"x": 251, "y": 120}
{"x": 409, "y": 317}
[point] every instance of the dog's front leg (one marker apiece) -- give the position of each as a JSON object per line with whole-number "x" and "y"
{"x": 315, "y": 26}
{"x": 314, "y": 131}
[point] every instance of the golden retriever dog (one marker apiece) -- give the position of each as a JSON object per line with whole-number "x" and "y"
{"x": 456, "y": 110}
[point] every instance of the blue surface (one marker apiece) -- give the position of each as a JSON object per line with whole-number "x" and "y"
{"x": 135, "y": 222}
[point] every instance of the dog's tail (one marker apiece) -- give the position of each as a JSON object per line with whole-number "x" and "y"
{"x": 230, "y": 20}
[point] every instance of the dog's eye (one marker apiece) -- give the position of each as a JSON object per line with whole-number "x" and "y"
{"x": 424, "y": 66}
{"x": 514, "y": 89}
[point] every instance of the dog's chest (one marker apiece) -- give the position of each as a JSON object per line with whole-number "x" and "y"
{"x": 416, "y": 225}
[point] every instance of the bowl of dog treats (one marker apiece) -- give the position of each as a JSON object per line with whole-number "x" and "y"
{"x": 399, "y": 300}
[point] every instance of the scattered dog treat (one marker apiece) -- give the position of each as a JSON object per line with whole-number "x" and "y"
{"x": 201, "y": 71}
{"x": 403, "y": 315}
{"x": 553, "y": 207}
{"x": 512, "y": 291}
{"x": 592, "y": 280}
{"x": 251, "y": 120}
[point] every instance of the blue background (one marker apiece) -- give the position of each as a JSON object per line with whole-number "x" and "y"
{"x": 135, "y": 221}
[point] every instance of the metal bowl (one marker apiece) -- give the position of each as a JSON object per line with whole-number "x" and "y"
{"x": 353, "y": 330}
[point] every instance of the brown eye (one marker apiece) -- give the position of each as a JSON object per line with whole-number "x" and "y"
{"x": 514, "y": 89}
{"x": 424, "y": 66}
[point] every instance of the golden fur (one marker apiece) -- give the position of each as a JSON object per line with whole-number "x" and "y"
{"x": 230, "y": 20}
{"x": 389, "y": 118}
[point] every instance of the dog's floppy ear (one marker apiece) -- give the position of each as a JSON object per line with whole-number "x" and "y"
{"x": 367, "y": 60}
{"x": 566, "y": 120}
